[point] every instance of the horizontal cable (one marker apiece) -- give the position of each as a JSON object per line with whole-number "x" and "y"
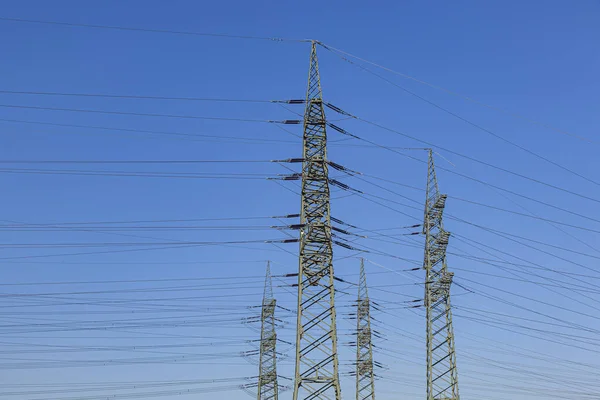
{"x": 133, "y": 161}
{"x": 180, "y": 135}
{"x": 122, "y": 96}
{"x": 80, "y": 110}
{"x": 151, "y": 30}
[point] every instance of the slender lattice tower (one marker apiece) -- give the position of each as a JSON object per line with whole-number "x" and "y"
{"x": 442, "y": 378}
{"x": 317, "y": 375}
{"x": 365, "y": 378}
{"x": 268, "y": 388}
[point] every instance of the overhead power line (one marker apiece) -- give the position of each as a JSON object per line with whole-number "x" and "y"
{"x": 535, "y": 217}
{"x": 139, "y": 97}
{"x": 285, "y": 122}
{"x": 186, "y": 175}
{"x": 485, "y": 228}
{"x": 107, "y": 244}
{"x": 173, "y": 246}
{"x": 538, "y": 181}
{"x": 152, "y": 30}
{"x": 178, "y": 135}
{"x": 343, "y": 131}
{"x": 19, "y": 224}
{"x": 480, "y": 128}
{"x": 454, "y": 93}
{"x": 45, "y": 320}
{"x": 133, "y": 161}
{"x": 187, "y": 279}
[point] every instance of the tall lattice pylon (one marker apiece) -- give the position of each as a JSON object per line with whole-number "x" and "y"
{"x": 317, "y": 375}
{"x": 442, "y": 377}
{"x": 365, "y": 377}
{"x": 268, "y": 388}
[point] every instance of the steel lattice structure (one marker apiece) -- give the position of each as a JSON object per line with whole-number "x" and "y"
{"x": 268, "y": 388}
{"x": 442, "y": 378}
{"x": 317, "y": 375}
{"x": 365, "y": 377}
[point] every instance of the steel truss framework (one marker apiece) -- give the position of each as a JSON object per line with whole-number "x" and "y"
{"x": 268, "y": 388}
{"x": 442, "y": 378}
{"x": 365, "y": 377}
{"x": 317, "y": 375}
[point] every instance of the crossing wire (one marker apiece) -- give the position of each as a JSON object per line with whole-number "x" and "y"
{"x": 479, "y": 180}
{"x": 468, "y": 158}
{"x": 580, "y": 227}
{"x": 454, "y": 93}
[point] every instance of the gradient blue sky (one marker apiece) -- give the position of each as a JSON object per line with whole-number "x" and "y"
{"x": 537, "y": 58}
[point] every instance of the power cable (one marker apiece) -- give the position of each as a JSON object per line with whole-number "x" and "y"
{"x": 454, "y": 93}
{"x": 108, "y": 244}
{"x": 587, "y": 217}
{"x": 480, "y": 127}
{"x": 55, "y": 224}
{"x": 180, "y": 135}
{"x": 285, "y": 122}
{"x": 535, "y": 180}
{"x": 151, "y": 30}
{"x": 122, "y": 96}
{"x": 343, "y": 131}
{"x": 134, "y": 161}
{"x": 139, "y": 174}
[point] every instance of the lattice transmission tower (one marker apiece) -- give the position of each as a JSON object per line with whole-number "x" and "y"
{"x": 365, "y": 376}
{"x": 268, "y": 388}
{"x": 317, "y": 370}
{"x": 442, "y": 377}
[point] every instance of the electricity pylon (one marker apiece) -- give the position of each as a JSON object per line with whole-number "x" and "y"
{"x": 365, "y": 378}
{"x": 317, "y": 375}
{"x": 268, "y": 388}
{"x": 442, "y": 378}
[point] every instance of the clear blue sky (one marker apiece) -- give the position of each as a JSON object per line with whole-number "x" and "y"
{"x": 538, "y": 59}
